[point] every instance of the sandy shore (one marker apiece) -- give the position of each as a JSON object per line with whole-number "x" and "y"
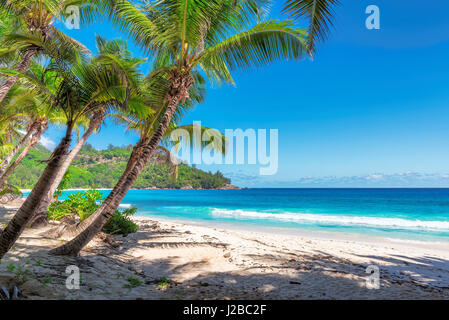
{"x": 173, "y": 260}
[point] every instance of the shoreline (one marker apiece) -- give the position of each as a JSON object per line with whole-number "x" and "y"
{"x": 294, "y": 231}
{"x": 212, "y": 262}
{"x": 110, "y": 189}
{"x": 440, "y": 246}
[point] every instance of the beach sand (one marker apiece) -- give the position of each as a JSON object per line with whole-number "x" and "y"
{"x": 174, "y": 260}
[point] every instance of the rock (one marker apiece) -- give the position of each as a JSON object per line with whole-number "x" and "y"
{"x": 34, "y": 288}
{"x": 228, "y": 186}
{"x": 187, "y": 187}
{"x": 227, "y": 255}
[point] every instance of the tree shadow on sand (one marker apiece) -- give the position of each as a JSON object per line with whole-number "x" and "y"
{"x": 118, "y": 273}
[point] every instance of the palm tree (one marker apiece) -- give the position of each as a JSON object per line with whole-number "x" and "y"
{"x": 34, "y": 20}
{"x": 78, "y": 89}
{"x": 12, "y": 122}
{"x": 319, "y": 13}
{"x": 40, "y": 126}
{"x": 114, "y": 57}
{"x": 26, "y": 106}
{"x": 145, "y": 128}
{"x": 208, "y": 36}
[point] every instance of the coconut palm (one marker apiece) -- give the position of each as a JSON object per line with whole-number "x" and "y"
{"x": 33, "y": 20}
{"x": 113, "y": 56}
{"x": 40, "y": 127}
{"x": 12, "y": 122}
{"x": 320, "y": 15}
{"x": 145, "y": 128}
{"x": 79, "y": 89}
{"x": 208, "y": 36}
{"x": 27, "y": 105}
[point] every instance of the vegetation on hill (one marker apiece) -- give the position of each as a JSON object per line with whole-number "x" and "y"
{"x": 102, "y": 168}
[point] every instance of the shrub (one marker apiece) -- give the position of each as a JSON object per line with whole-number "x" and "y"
{"x": 81, "y": 204}
{"x": 120, "y": 222}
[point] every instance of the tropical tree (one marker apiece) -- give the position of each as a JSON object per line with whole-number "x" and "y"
{"x": 34, "y": 21}
{"x": 114, "y": 57}
{"x": 79, "y": 89}
{"x": 12, "y": 124}
{"x": 320, "y": 15}
{"x": 145, "y": 128}
{"x": 29, "y": 115}
{"x": 187, "y": 36}
{"x": 40, "y": 127}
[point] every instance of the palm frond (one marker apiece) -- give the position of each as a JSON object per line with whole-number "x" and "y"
{"x": 320, "y": 15}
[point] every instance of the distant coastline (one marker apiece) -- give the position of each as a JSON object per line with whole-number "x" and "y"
{"x": 224, "y": 187}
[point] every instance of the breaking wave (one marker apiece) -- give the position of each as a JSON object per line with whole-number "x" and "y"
{"x": 342, "y": 220}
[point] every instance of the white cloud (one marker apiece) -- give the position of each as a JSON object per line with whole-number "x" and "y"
{"x": 374, "y": 176}
{"x": 46, "y": 142}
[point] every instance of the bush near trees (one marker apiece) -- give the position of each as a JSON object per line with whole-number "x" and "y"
{"x": 80, "y": 205}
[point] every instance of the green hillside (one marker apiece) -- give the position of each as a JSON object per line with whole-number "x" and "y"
{"x": 101, "y": 169}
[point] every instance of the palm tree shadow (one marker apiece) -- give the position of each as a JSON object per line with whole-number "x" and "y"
{"x": 108, "y": 272}
{"x": 425, "y": 271}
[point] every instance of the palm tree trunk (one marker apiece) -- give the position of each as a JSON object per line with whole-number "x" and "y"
{"x": 76, "y": 229}
{"x": 40, "y": 216}
{"x": 22, "y": 217}
{"x": 31, "y": 143}
{"x": 23, "y": 66}
{"x": 178, "y": 93}
{"x": 11, "y": 155}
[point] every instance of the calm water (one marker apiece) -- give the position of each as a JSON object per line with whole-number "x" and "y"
{"x": 418, "y": 214}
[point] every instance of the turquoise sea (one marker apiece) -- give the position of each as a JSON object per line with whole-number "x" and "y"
{"x": 418, "y": 214}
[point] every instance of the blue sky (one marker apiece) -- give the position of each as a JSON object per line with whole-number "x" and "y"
{"x": 371, "y": 109}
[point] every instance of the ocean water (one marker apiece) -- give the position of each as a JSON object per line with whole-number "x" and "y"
{"x": 415, "y": 214}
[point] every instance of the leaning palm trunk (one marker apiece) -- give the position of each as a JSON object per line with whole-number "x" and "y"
{"x": 5, "y": 163}
{"x": 40, "y": 215}
{"x": 179, "y": 92}
{"x": 11, "y": 80}
{"x": 76, "y": 229}
{"x": 23, "y": 216}
{"x": 31, "y": 143}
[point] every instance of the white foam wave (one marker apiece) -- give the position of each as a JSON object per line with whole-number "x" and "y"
{"x": 337, "y": 219}
{"x": 125, "y": 205}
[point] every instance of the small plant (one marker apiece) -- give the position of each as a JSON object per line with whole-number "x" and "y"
{"x": 38, "y": 262}
{"x": 46, "y": 281}
{"x": 11, "y": 267}
{"x": 19, "y": 271}
{"x": 133, "y": 282}
{"x": 121, "y": 223}
{"x": 163, "y": 283}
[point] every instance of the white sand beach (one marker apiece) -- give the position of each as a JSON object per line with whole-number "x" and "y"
{"x": 173, "y": 260}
